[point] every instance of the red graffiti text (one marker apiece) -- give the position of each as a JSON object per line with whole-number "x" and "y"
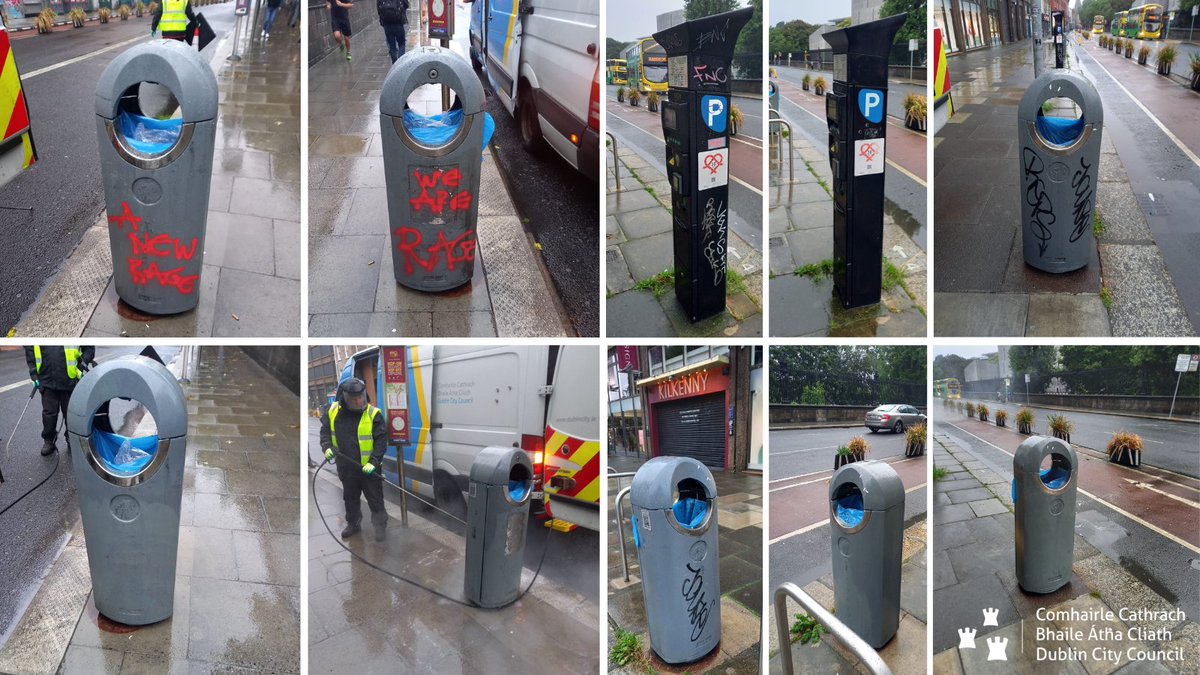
{"x": 162, "y": 246}
{"x": 436, "y": 192}
{"x": 461, "y": 249}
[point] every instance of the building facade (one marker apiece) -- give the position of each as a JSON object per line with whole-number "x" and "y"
{"x": 324, "y": 364}
{"x": 698, "y": 401}
{"x": 975, "y": 24}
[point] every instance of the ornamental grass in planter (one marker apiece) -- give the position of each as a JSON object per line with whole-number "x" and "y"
{"x": 1025, "y": 421}
{"x": 806, "y": 82}
{"x": 635, "y": 97}
{"x": 652, "y": 101}
{"x": 78, "y": 17}
{"x": 1060, "y": 427}
{"x": 970, "y": 409}
{"x": 1125, "y": 448}
{"x": 1194, "y": 62}
{"x": 620, "y": 94}
{"x": 915, "y": 440}
{"x": 983, "y": 412}
{"x": 845, "y": 455}
{"x": 1001, "y": 418}
{"x": 1129, "y": 49}
{"x": 819, "y": 86}
{"x": 1165, "y": 58}
{"x": 45, "y": 20}
{"x": 1143, "y": 55}
{"x": 916, "y": 110}
{"x": 104, "y": 14}
{"x": 735, "y": 119}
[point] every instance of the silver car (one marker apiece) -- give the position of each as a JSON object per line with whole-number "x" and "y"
{"x": 896, "y": 417}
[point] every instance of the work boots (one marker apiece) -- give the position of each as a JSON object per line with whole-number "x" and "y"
{"x": 48, "y": 447}
{"x": 380, "y": 532}
{"x": 351, "y": 530}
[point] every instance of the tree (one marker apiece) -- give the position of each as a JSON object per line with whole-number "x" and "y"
{"x": 949, "y": 365}
{"x": 914, "y": 24}
{"x": 790, "y": 37}
{"x": 1034, "y": 359}
{"x": 695, "y": 9}
{"x": 748, "y": 50}
{"x": 613, "y": 48}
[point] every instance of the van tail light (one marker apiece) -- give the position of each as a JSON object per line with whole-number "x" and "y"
{"x": 594, "y": 105}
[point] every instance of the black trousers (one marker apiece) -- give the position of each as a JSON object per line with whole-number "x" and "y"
{"x": 53, "y": 401}
{"x": 355, "y": 484}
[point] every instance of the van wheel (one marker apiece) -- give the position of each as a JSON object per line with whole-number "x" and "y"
{"x": 448, "y": 497}
{"x": 475, "y": 63}
{"x": 531, "y": 131}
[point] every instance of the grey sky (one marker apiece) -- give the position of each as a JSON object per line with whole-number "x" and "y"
{"x": 632, "y": 19}
{"x": 807, "y": 10}
{"x": 965, "y": 351}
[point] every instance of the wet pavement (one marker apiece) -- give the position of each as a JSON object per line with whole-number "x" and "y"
{"x": 1118, "y": 564}
{"x": 804, "y": 302}
{"x": 250, "y": 282}
{"x": 237, "y": 590}
{"x": 740, "y": 532}
{"x": 363, "y": 620}
{"x": 978, "y": 207}
{"x": 640, "y": 247}
{"x": 352, "y": 288}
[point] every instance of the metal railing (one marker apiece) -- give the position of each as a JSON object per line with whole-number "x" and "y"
{"x": 840, "y": 631}
{"x": 616, "y": 164}
{"x": 621, "y": 530}
{"x": 774, "y": 117}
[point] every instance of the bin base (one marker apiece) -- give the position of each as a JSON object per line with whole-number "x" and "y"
{"x": 699, "y": 661}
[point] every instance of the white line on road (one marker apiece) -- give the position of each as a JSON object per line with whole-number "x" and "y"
{"x": 27, "y": 76}
{"x": 809, "y": 528}
{"x": 1191, "y": 155}
{"x": 1146, "y": 486}
{"x": 900, "y": 460}
{"x": 792, "y": 452}
{"x": 1114, "y": 507}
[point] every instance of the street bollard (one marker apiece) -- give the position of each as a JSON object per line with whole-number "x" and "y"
{"x": 696, "y": 125}
{"x": 129, "y": 488}
{"x": 432, "y": 165}
{"x": 1059, "y": 167}
{"x": 674, "y": 501}
{"x": 866, "y": 515}
{"x": 1044, "y": 513}
{"x": 497, "y": 515}
{"x": 856, "y": 113}
{"x": 157, "y": 172}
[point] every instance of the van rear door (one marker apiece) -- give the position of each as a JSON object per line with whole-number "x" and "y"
{"x": 503, "y": 54}
{"x": 573, "y": 438}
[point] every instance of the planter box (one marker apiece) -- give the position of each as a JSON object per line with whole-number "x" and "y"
{"x": 983, "y": 417}
{"x": 819, "y": 91}
{"x": 1066, "y": 437}
{"x": 1164, "y": 69}
{"x": 1026, "y": 429}
{"x": 1196, "y": 81}
{"x": 914, "y": 449}
{"x": 1126, "y": 457}
{"x": 1143, "y": 59}
{"x": 1000, "y": 422}
{"x": 842, "y": 460}
{"x": 918, "y": 124}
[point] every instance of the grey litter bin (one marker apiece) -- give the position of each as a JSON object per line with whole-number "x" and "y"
{"x": 129, "y": 500}
{"x": 674, "y": 502}
{"x": 1044, "y": 513}
{"x": 1059, "y": 167}
{"x": 866, "y": 513}
{"x": 497, "y": 515}
{"x": 431, "y": 165}
{"x": 157, "y": 173}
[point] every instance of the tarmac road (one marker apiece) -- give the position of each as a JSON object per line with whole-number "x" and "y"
{"x": 799, "y": 451}
{"x": 1170, "y": 445}
{"x": 35, "y": 530}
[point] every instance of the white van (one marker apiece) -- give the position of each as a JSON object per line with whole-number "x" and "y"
{"x": 542, "y": 58}
{"x": 454, "y": 401}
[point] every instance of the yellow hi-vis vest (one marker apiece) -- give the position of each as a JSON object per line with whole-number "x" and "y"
{"x": 73, "y": 355}
{"x": 366, "y": 440}
{"x": 174, "y": 16}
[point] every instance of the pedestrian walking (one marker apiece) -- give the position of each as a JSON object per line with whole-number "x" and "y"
{"x": 272, "y": 10}
{"x": 392, "y": 15}
{"x": 294, "y": 20}
{"x": 357, "y": 443}
{"x": 339, "y": 20}
{"x": 55, "y": 371}
{"x": 173, "y": 17}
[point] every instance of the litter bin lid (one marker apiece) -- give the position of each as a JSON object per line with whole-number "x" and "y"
{"x": 135, "y": 377}
{"x": 494, "y": 466}
{"x": 878, "y": 482}
{"x": 430, "y": 65}
{"x": 656, "y": 483}
{"x": 1061, "y": 84}
{"x": 169, "y": 63}
{"x": 1029, "y": 455}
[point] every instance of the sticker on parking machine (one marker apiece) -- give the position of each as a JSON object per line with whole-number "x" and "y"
{"x": 868, "y": 157}
{"x": 677, "y": 71}
{"x": 712, "y": 169}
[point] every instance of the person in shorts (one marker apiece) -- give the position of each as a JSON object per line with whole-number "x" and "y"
{"x": 339, "y": 19}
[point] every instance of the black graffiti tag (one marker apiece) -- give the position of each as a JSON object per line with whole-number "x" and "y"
{"x": 1082, "y": 182}
{"x": 717, "y": 34}
{"x": 1035, "y": 196}
{"x": 693, "y": 594}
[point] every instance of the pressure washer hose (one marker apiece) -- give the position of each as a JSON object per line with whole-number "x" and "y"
{"x": 48, "y": 476}
{"x": 368, "y": 563}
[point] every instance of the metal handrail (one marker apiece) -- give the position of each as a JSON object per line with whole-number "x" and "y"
{"x": 840, "y": 631}
{"x": 791, "y": 148}
{"x": 621, "y": 529}
{"x": 616, "y": 164}
{"x": 618, "y": 475}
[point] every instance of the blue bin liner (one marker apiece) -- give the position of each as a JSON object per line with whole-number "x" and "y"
{"x": 637, "y": 541}
{"x": 107, "y": 447}
{"x": 1054, "y": 478}
{"x": 437, "y": 130}
{"x": 850, "y": 510}
{"x": 148, "y": 135}
{"x": 690, "y": 512}
{"x": 1059, "y": 131}
{"x": 517, "y": 489}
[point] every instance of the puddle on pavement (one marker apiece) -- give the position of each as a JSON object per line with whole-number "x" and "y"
{"x": 905, "y": 221}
